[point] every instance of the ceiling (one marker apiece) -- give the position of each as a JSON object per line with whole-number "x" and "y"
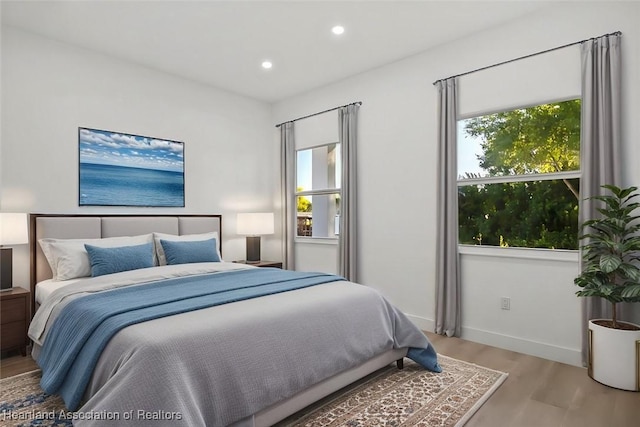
{"x": 223, "y": 43}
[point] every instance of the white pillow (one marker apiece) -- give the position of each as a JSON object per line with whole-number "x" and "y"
{"x": 162, "y": 260}
{"x": 69, "y": 259}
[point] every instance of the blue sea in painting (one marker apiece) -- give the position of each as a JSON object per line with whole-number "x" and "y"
{"x": 109, "y": 185}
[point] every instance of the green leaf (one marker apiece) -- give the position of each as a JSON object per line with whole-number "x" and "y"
{"x": 631, "y": 272}
{"x": 614, "y": 189}
{"x": 631, "y": 291}
{"x": 624, "y": 193}
{"x": 610, "y": 262}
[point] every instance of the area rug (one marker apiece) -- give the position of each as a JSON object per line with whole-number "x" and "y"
{"x": 408, "y": 397}
{"x": 24, "y": 403}
{"x": 388, "y": 397}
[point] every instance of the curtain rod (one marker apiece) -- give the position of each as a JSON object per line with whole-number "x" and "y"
{"x": 616, "y": 33}
{"x": 321, "y": 112}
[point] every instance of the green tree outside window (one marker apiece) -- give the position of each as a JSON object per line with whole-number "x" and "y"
{"x": 534, "y": 213}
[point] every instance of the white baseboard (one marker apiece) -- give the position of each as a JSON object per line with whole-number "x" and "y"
{"x": 423, "y": 323}
{"x": 570, "y": 356}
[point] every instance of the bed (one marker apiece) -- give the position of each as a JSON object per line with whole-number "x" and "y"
{"x": 228, "y": 359}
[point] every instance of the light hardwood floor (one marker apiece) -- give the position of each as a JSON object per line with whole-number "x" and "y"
{"x": 538, "y": 392}
{"x": 542, "y": 393}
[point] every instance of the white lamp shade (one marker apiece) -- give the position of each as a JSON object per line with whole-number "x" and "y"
{"x": 13, "y": 229}
{"x": 255, "y": 224}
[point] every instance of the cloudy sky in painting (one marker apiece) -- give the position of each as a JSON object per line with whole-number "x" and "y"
{"x": 120, "y": 149}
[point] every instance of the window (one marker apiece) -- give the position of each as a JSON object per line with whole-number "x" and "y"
{"x": 318, "y": 191}
{"x": 518, "y": 177}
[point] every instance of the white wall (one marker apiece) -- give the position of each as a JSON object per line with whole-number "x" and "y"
{"x": 49, "y": 89}
{"x": 397, "y": 176}
{"x": 544, "y": 319}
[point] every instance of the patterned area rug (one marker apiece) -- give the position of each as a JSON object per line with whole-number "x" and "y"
{"x": 408, "y": 397}
{"x": 388, "y": 397}
{"x": 23, "y": 403}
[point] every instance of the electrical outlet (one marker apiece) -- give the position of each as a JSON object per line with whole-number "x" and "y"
{"x": 505, "y": 303}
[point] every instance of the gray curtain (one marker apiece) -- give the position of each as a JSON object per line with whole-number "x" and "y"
{"x": 347, "y": 244}
{"x": 600, "y": 143}
{"x": 447, "y": 258}
{"x": 288, "y": 184}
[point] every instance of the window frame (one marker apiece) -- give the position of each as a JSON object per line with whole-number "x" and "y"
{"x": 319, "y": 192}
{"x": 465, "y": 248}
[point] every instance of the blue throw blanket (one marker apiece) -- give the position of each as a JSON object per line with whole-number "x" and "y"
{"x": 83, "y": 329}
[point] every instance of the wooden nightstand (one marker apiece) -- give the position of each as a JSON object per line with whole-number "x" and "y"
{"x": 262, "y": 263}
{"x": 15, "y": 314}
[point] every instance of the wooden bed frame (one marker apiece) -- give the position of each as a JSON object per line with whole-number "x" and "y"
{"x": 75, "y": 226}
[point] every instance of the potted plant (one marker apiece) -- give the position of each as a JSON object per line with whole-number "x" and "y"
{"x": 611, "y": 270}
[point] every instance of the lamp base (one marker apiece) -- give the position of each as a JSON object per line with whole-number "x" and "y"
{"x": 6, "y": 265}
{"x": 253, "y": 249}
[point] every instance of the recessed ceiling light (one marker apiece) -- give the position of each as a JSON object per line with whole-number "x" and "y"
{"x": 337, "y": 30}
{"x": 266, "y": 65}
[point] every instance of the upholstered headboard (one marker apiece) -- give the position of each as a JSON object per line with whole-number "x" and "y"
{"x": 78, "y": 226}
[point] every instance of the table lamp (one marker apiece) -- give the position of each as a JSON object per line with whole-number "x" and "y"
{"x": 254, "y": 225}
{"x": 13, "y": 231}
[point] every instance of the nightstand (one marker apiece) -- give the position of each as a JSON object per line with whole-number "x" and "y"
{"x": 262, "y": 263}
{"x": 14, "y": 319}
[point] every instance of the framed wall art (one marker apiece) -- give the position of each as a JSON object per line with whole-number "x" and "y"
{"x": 121, "y": 169}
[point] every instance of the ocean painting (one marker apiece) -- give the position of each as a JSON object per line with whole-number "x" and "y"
{"x": 119, "y": 169}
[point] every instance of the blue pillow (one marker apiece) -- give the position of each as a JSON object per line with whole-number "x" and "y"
{"x": 185, "y": 252}
{"x": 124, "y": 258}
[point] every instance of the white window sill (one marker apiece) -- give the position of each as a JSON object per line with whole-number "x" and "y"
{"x": 562, "y": 255}
{"x": 317, "y": 240}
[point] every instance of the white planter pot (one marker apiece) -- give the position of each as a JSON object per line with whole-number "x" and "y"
{"x": 614, "y": 356}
